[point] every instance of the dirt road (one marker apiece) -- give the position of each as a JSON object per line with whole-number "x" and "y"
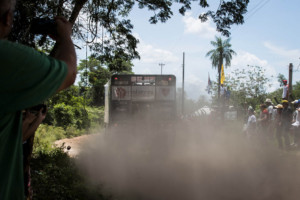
{"x": 73, "y": 145}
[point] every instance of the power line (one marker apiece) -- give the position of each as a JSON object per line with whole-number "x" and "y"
{"x": 256, "y": 8}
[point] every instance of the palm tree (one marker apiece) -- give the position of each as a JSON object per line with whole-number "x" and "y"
{"x": 220, "y": 52}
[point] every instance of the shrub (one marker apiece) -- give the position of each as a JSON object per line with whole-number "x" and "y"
{"x": 45, "y": 136}
{"x": 55, "y": 176}
{"x": 63, "y": 115}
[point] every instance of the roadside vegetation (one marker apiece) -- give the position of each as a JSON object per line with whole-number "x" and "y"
{"x": 76, "y": 111}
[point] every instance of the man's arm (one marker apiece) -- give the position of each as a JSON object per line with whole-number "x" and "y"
{"x": 65, "y": 51}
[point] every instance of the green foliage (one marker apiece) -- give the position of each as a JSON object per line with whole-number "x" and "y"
{"x": 275, "y": 94}
{"x": 93, "y": 78}
{"x": 248, "y": 85}
{"x": 280, "y": 78}
{"x": 45, "y": 136}
{"x": 69, "y": 108}
{"x": 63, "y": 115}
{"x": 55, "y": 176}
{"x": 71, "y": 96}
{"x": 112, "y": 16}
{"x": 228, "y": 13}
{"x": 222, "y": 50}
{"x": 78, "y": 117}
{"x": 296, "y": 90}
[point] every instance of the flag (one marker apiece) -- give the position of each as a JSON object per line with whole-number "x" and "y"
{"x": 209, "y": 85}
{"x": 222, "y": 75}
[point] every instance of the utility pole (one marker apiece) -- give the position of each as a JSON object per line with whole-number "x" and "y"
{"x": 290, "y": 81}
{"x": 182, "y": 96}
{"x": 161, "y": 66}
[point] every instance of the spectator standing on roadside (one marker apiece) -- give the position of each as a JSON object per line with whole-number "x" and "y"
{"x": 270, "y": 129}
{"x": 295, "y": 124}
{"x": 251, "y": 124}
{"x": 285, "y": 90}
{"x": 286, "y": 120}
{"x": 25, "y": 82}
{"x": 263, "y": 122}
{"x": 278, "y": 124}
{"x": 222, "y": 92}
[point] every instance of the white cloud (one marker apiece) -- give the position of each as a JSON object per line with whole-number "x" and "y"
{"x": 289, "y": 54}
{"x": 152, "y": 54}
{"x": 195, "y": 26}
{"x": 242, "y": 59}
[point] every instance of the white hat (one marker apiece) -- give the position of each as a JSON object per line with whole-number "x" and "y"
{"x": 268, "y": 101}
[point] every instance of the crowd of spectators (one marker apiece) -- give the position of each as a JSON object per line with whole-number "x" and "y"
{"x": 279, "y": 121}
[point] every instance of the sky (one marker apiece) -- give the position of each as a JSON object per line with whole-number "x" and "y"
{"x": 269, "y": 38}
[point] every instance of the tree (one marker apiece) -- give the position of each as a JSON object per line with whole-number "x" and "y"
{"x": 222, "y": 50}
{"x": 93, "y": 78}
{"x": 280, "y": 79}
{"x": 110, "y": 19}
{"x": 248, "y": 85}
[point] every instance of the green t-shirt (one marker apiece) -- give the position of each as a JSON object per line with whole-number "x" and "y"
{"x": 27, "y": 77}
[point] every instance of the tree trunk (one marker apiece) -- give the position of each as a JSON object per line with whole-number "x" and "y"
{"x": 76, "y": 10}
{"x": 219, "y": 75}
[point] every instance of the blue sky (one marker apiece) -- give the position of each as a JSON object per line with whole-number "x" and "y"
{"x": 269, "y": 38}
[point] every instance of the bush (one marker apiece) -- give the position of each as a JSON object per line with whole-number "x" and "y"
{"x": 45, "y": 136}
{"x": 63, "y": 115}
{"x": 55, "y": 176}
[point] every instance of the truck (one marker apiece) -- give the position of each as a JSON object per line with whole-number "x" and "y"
{"x": 138, "y": 97}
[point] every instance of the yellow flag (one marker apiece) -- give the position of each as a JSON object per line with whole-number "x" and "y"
{"x": 222, "y": 75}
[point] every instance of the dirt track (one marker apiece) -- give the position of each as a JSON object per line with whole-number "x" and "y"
{"x": 75, "y": 143}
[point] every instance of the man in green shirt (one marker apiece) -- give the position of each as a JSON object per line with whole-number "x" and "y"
{"x": 27, "y": 77}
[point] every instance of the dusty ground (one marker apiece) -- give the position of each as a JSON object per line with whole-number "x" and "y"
{"x": 73, "y": 145}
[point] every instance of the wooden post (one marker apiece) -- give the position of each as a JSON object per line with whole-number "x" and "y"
{"x": 290, "y": 81}
{"x": 182, "y": 96}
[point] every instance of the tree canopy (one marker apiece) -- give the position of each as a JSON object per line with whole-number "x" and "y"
{"x": 105, "y": 26}
{"x": 222, "y": 50}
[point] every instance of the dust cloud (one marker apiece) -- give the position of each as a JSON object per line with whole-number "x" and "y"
{"x": 189, "y": 161}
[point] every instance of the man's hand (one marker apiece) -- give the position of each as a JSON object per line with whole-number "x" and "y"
{"x": 64, "y": 29}
{"x": 64, "y": 50}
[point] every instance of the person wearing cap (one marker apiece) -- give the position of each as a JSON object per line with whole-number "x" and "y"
{"x": 285, "y": 90}
{"x": 263, "y": 121}
{"x": 286, "y": 119}
{"x": 278, "y": 123}
{"x": 295, "y": 124}
{"x": 270, "y": 113}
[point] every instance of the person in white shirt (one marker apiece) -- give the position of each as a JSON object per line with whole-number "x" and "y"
{"x": 295, "y": 124}
{"x": 285, "y": 90}
{"x": 251, "y": 124}
{"x": 222, "y": 90}
{"x": 270, "y": 128}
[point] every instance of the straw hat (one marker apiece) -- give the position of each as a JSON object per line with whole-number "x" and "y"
{"x": 284, "y": 101}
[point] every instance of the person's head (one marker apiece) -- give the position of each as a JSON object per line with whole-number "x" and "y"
{"x": 6, "y": 17}
{"x": 268, "y": 102}
{"x": 263, "y": 106}
{"x": 279, "y": 108}
{"x": 284, "y": 82}
{"x": 250, "y": 110}
{"x": 285, "y": 103}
